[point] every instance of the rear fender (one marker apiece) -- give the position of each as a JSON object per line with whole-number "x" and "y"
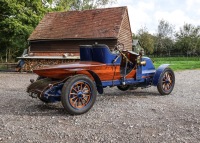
{"x": 158, "y": 72}
{"x": 96, "y": 79}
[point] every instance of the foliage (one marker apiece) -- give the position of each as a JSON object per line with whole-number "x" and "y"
{"x": 146, "y": 40}
{"x": 17, "y": 21}
{"x": 188, "y": 39}
{"x": 164, "y": 29}
{"x": 167, "y": 42}
{"x": 164, "y": 39}
{"x": 90, "y": 4}
{"x": 63, "y": 5}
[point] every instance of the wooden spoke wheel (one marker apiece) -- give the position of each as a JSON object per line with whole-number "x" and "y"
{"x": 78, "y": 94}
{"x": 166, "y": 82}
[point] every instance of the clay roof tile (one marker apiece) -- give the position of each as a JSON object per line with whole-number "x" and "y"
{"x": 88, "y": 24}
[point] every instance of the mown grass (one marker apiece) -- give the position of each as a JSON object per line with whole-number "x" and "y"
{"x": 178, "y": 63}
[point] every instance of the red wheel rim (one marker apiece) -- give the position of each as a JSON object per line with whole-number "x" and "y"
{"x": 80, "y": 94}
{"x": 167, "y": 81}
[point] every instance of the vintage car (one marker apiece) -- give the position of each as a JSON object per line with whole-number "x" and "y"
{"x": 76, "y": 84}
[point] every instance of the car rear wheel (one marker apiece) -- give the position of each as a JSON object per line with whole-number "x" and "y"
{"x": 166, "y": 82}
{"x": 78, "y": 94}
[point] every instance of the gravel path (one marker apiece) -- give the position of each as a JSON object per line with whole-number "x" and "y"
{"x": 132, "y": 116}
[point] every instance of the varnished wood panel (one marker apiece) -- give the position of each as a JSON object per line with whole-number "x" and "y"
{"x": 105, "y": 72}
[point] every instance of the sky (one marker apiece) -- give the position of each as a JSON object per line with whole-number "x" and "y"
{"x": 148, "y": 13}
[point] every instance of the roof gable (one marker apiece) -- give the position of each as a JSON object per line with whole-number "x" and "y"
{"x": 88, "y": 24}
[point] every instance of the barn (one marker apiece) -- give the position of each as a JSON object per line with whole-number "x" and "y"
{"x": 57, "y": 37}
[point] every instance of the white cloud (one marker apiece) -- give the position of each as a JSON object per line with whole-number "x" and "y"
{"x": 138, "y": 13}
{"x": 138, "y": 18}
{"x": 190, "y": 4}
{"x": 146, "y": 13}
{"x": 145, "y": 6}
{"x": 176, "y": 18}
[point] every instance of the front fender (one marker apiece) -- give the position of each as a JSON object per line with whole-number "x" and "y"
{"x": 158, "y": 72}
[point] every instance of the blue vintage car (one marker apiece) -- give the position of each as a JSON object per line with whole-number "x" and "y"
{"x": 76, "y": 84}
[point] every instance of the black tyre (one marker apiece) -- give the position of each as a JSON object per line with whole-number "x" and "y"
{"x": 123, "y": 87}
{"x": 133, "y": 87}
{"x": 78, "y": 94}
{"x": 166, "y": 82}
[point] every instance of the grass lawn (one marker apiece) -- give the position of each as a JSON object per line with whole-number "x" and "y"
{"x": 178, "y": 63}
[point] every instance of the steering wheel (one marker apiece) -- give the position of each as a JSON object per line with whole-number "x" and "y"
{"x": 120, "y": 47}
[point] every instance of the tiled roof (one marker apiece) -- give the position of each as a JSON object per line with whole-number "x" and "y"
{"x": 89, "y": 24}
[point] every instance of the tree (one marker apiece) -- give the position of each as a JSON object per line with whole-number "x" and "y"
{"x": 165, "y": 29}
{"x": 17, "y": 21}
{"x": 64, "y": 5}
{"x": 146, "y": 40}
{"x": 188, "y": 39}
{"x": 164, "y": 37}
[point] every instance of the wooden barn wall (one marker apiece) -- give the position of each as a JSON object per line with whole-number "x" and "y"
{"x": 55, "y": 48}
{"x": 125, "y": 34}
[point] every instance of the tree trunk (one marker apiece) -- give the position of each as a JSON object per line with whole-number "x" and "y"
{"x": 6, "y": 55}
{"x": 9, "y": 55}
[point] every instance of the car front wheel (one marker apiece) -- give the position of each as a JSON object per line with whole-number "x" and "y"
{"x": 78, "y": 94}
{"x": 166, "y": 82}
